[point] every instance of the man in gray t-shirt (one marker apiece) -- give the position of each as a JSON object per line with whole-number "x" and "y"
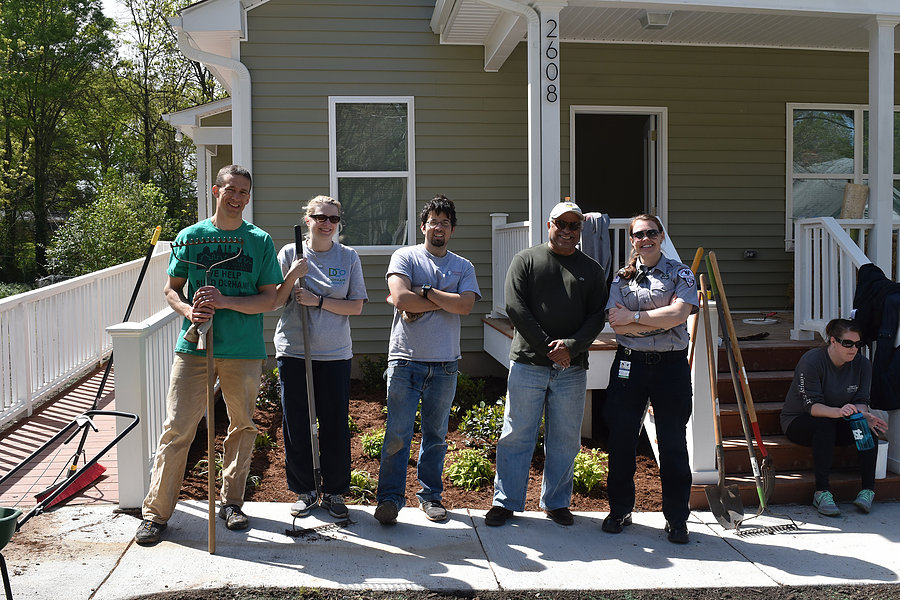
{"x": 430, "y": 287}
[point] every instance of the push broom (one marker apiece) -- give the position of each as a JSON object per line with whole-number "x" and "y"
{"x": 89, "y": 475}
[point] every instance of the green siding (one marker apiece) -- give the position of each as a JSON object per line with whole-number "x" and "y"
{"x": 726, "y": 131}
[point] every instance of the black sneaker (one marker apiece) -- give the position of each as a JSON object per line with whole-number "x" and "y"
{"x": 678, "y": 532}
{"x": 613, "y": 524}
{"x": 497, "y": 516}
{"x": 561, "y": 516}
{"x": 386, "y": 512}
{"x": 149, "y": 533}
{"x": 434, "y": 510}
{"x": 234, "y": 518}
{"x": 334, "y": 504}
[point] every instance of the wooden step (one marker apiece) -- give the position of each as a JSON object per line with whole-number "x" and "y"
{"x": 767, "y": 413}
{"x": 765, "y": 386}
{"x": 798, "y": 488}
{"x": 767, "y": 356}
{"x": 785, "y": 455}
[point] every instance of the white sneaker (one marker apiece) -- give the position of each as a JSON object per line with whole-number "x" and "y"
{"x": 304, "y": 503}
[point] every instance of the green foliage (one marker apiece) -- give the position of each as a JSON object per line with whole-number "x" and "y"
{"x": 469, "y": 391}
{"x": 253, "y": 482}
{"x": 269, "y": 391}
{"x": 264, "y": 441}
{"x": 373, "y": 367}
{"x": 202, "y": 467}
{"x": 11, "y": 289}
{"x": 483, "y": 423}
{"x": 372, "y": 443}
{"x": 352, "y": 426}
{"x": 362, "y": 487}
{"x": 590, "y": 470}
{"x": 114, "y": 229}
{"x": 470, "y": 469}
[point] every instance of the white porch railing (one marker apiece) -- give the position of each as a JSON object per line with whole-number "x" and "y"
{"x": 143, "y": 364}
{"x": 51, "y": 335}
{"x": 827, "y": 255}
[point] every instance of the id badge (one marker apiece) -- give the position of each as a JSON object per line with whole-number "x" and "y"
{"x": 624, "y": 369}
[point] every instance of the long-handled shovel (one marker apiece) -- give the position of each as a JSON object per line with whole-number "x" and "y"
{"x": 768, "y": 470}
{"x": 695, "y": 264}
{"x": 310, "y": 388}
{"x": 724, "y": 502}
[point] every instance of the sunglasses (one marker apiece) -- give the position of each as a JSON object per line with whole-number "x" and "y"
{"x": 650, "y": 233}
{"x": 850, "y": 343}
{"x": 570, "y": 225}
{"x": 322, "y": 218}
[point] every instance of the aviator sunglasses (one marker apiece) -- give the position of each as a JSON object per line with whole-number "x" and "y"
{"x": 570, "y": 225}
{"x": 650, "y": 233}
{"x": 849, "y": 343}
{"x": 322, "y": 218}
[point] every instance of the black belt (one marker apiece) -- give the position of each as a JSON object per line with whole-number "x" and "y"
{"x": 651, "y": 358}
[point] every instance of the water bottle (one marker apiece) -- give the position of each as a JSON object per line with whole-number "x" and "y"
{"x": 861, "y": 433}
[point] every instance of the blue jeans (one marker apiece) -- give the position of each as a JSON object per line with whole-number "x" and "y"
{"x": 434, "y": 383}
{"x": 558, "y": 395}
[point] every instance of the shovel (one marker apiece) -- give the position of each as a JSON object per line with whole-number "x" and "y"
{"x": 724, "y": 502}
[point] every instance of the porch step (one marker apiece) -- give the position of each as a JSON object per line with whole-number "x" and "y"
{"x": 766, "y": 386}
{"x": 768, "y": 355}
{"x": 798, "y": 488}
{"x": 785, "y": 455}
{"x": 767, "y": 413}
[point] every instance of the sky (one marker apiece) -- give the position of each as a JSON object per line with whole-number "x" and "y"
{"x": 114, "y": 9}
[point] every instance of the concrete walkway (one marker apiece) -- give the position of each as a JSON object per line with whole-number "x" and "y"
{"x": 87, "y": 552}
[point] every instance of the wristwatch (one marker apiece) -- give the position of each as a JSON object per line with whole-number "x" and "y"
{"x": 425, "y": 289}
{"x": 637, "y": 316}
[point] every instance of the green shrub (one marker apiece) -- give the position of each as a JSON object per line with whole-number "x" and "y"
{"x": 202, "y": 467}
{"x": 372, "y": 368}
{"x": 372, "y": 443}
{"x": 11, "y": 289}
{"x": 352, "y": 426}
{"x": 590, "y": 470}
{"x": 362, "y": 487}
{"x": 264, "y": 441}
{"x": 470, "y": 470}
{"x": 483, "y": 423}
{"x": 269, "y": 390}
{"x": 469, "y": 391}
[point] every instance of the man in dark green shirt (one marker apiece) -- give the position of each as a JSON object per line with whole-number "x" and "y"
{"x": 555, "y": 297}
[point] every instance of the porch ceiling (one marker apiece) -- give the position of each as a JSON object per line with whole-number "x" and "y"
{"x": 810, "y": 25}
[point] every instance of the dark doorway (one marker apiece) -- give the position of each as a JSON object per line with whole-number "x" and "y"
{"x": 614, "y": 163}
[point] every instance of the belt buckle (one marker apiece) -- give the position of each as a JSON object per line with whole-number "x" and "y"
{"x": 652, "y": 358}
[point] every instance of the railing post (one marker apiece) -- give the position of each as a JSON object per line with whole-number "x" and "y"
{"x": 802, "y": 268}
{"x": 497, "y": 270}
{"x": 133, "y": 452}
{"x": 701, "y": 440}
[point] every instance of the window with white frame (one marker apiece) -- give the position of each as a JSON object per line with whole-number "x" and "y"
{"x": 828, "y": 147}
{"x": 371, "y": 147}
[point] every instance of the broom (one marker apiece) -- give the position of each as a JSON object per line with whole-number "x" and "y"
{"x": 89, "y": 475}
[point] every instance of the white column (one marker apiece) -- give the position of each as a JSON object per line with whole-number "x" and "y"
{"x": 202, "y": 182}
{"x": 550, "y": 100}
{"x": 881, "y": 137}
{"x": 534, "y": 132}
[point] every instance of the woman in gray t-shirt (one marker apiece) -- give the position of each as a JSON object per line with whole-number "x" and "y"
{"x": 830, "y": 384}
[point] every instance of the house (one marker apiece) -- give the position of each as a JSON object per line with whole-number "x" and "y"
{"x": 728, "y": 118}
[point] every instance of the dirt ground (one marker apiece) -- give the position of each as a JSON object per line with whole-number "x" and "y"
{"x": 366, "y": 411}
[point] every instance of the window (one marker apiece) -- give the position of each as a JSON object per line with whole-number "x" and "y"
{"x": 828, "y": 147}
{"x": 371, "y": 165}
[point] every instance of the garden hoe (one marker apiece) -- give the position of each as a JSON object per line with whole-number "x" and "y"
{"x": 724, "y": 501}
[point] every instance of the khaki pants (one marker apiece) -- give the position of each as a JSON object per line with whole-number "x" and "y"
{"x": 185, "y": 406}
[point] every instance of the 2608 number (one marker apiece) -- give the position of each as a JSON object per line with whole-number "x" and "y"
{"x": 551, "y": 69}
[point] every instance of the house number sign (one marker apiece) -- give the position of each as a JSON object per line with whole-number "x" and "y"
{"x": 550, "y": 61}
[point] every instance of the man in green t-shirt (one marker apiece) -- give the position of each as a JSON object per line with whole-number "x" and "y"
{"x": 238, "y": 291}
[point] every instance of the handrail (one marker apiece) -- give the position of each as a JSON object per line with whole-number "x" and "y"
{"x": 54, "y": 334}
{"x": 826, "y": 260}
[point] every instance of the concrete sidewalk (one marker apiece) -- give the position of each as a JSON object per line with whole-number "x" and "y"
{"x": 87, "y": 552}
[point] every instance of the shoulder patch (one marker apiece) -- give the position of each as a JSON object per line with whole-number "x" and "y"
{"x": 616, "y": 278}
{"x": 687, "y": 275}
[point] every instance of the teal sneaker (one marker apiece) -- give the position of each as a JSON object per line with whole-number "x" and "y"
{"x": 824, "y": 503}
{"x": 864, "y": 500}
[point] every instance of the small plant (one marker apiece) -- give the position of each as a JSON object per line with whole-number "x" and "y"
{"x": 202, "y": 467}
{"x": 372, "y": 368}
{"x": 484, "y": 422}
{"x": 264, "y": 441}
{"x": 269, "y": 391}
{"x": 372, "y": 443}
{"x": 352, "y": 426}
{"x": 362, "y": 487}
{"x": 590, "y": 469}
{"x": 11, "y": 289}
{"x": 469, "y": 391}
{"x": 253, "y": 482}
{"x": 471, "y": 470}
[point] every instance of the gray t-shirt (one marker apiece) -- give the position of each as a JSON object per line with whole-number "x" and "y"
{"x": 336, "y": 273}
{"x": 668, "y": 279}
{"x": 818, "y": 381}
{"x": 433, "y": 337}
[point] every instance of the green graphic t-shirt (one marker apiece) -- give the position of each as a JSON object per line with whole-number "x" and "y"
{"x": 250, "y": 262}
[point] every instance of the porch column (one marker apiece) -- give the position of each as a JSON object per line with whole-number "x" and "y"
{"x": 550, "y": 99}
{"x": 881, "y": 138}
{"x": 202, "y": 178}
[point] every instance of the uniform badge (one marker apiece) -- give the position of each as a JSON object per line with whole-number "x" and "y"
{"x": 616, "y": 278}
{"x": 687, "y": 276}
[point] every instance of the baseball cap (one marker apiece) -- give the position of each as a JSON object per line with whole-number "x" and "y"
{"x": 564, "y": 207}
